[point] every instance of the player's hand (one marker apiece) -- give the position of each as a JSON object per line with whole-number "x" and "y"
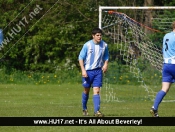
{"x": 84, "y": 74}
{"x": 104, "y": 69}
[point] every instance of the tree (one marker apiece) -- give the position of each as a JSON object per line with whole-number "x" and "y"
{"x": 44, "y": 35}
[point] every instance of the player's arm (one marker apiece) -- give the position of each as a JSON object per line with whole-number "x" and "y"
{"x": 83, "y": 71}
{"x": 81, "y": 59}
{"x": 105, "y": 58}
{"x": 105, "y": 66}
{"x": 1, "y": 36}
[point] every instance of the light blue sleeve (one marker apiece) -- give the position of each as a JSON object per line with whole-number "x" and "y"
{"x": 1, "y": 36}
{"x": 83, "y": 53}
{"x": 106, "y": 54}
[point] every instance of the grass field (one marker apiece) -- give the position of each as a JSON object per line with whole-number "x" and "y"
{"x": 65, "y": 101}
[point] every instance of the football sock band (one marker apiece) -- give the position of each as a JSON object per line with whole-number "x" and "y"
{"x": 96, "y": 100}
{"x": 85, "y": 98}
{"x": 160, "y": 95}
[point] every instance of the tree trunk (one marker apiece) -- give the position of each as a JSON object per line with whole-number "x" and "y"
{"x": 148, "y": 14}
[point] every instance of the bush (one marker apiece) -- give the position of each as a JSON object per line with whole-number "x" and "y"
{"x": 23, "y": 77}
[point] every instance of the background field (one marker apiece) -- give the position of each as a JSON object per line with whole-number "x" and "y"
{"x": 40, "y": 74}
{"x": 64, "y": 100}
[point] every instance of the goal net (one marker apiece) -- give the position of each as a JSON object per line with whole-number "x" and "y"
{"x": 134, "y": 36}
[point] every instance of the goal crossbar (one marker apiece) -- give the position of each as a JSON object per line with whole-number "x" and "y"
{"x": 129, "y": 7}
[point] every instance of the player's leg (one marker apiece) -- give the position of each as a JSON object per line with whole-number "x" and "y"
{"x": 85, "y": 97}
{"x": 86, "y": 83}
{"x": 96, "y": 101}
{"x": 97, "y": 84}
{"x": 168, "y": 75}
{"x": 159, "y": 97}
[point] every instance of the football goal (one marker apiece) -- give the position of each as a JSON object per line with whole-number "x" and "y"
{"x": 134, "y": 36}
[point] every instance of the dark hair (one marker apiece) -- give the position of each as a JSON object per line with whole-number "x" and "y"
{"x": 96, "y": 30}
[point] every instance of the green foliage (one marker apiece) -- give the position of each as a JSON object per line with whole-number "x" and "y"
{"x": 119, "y": 72}
{"x": 49, "y": 42}
{"x": 62, "y": 75}
{"x": 40, "y": 43}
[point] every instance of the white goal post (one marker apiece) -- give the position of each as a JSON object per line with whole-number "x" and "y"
{"x": 128, "y": 7}
{"x": 135, "y": 35}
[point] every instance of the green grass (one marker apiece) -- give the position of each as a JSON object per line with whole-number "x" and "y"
{"x": 64, "y": 100}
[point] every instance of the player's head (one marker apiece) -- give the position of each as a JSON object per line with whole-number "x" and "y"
{"x": 96, "y": 30}
{"x": 173, "y": 25}
{"x": 97, "y": 35}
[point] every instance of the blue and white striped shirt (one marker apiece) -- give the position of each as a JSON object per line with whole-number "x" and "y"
{"x": 169, "y": 48}
{"x": 1, "y": 36}
{"x": 94, "y": 55}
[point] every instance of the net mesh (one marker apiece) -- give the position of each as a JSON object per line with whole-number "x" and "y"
{"x": 135, "y": 41}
